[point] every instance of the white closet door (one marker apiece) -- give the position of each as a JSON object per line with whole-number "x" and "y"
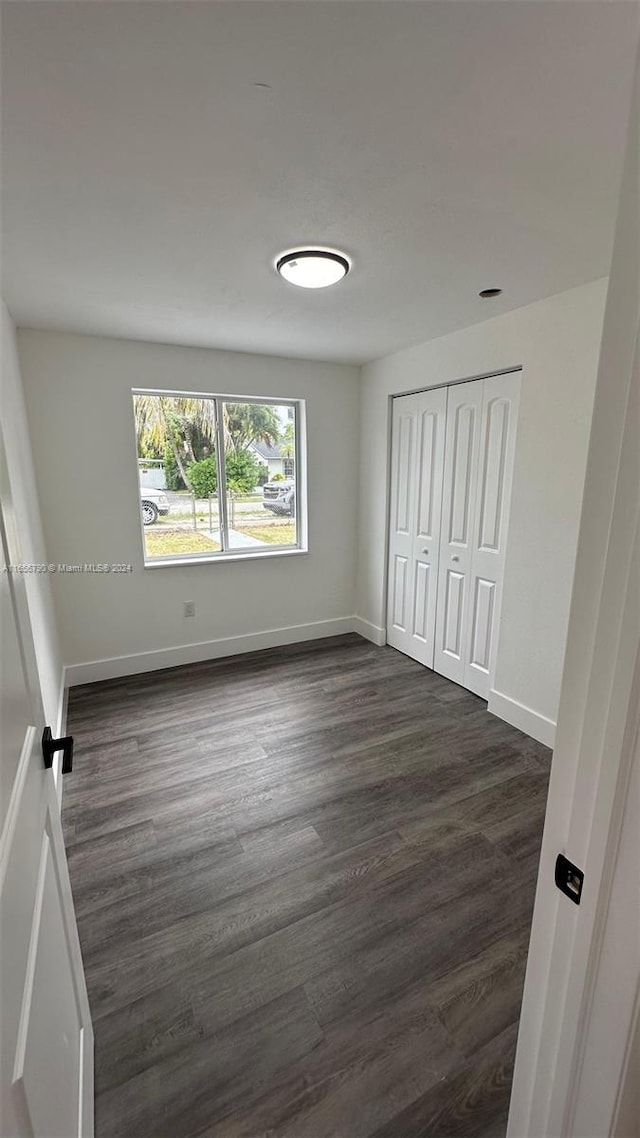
{"x": 497, "y": 437}
{"x": 416, "y": 496}
{"x": 464, "y": 410}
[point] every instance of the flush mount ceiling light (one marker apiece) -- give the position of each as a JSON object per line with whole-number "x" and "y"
{"x": 313, "y": 268}
{"x": 488, "y": 293}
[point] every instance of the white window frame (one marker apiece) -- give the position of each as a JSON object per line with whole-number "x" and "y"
{"x": 226, "y": 554}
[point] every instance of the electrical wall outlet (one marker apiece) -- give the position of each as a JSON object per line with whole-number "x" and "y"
{"x": 189, "y": 608}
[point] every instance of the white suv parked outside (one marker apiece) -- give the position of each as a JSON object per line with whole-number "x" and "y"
{"x": 280, "y": 497}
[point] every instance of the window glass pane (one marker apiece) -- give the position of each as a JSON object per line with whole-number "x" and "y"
{"x": 260, "y": 459}
{"x": 177, "y": 475}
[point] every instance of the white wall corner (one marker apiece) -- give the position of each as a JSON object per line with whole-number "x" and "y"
{"x": 524, "y": 718}
{"x": 95, "y": 670}
{"x": 370, "y": 631}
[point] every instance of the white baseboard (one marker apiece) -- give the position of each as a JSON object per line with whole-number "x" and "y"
{"x": 370, "y": 631}
{"x": 115, "y": 666}
{"x": 522, "y": 717}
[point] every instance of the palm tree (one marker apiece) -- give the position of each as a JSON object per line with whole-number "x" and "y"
{"x": 246, "y": 423}
{"x": 167, "y": 421}
{"x": 162, "y": 420}
{"x": 288, "y": 443}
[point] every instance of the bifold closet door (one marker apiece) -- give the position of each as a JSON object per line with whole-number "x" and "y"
{"x": 481, "y": 431}
{"x": 417, "y": 463}
{"x": 464, "y": 411}
{"x": 491, "y": 517}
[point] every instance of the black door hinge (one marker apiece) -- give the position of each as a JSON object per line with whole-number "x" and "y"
{"x": 569, "y": 879}
{"x": 51, "y": 745}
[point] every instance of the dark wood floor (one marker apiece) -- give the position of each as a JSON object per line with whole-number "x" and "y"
{"x": 304, "y": 882}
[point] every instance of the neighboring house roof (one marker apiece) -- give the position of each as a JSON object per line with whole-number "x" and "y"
{"x": 265, "y": 451}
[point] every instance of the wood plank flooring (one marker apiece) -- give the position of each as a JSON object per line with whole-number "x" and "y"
{"x": 304, "y": 881}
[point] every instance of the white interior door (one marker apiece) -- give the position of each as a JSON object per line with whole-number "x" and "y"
{"x": 416, "y": 495}
{"x": 464, "y": 411}
{"x": 46, "y": 1033}
{"x": 497, "y": 438}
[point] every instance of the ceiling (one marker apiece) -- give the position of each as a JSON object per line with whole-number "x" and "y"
{"x": 157, "y": 157}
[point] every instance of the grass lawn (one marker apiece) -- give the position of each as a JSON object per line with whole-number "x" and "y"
{"x": 284, "y": 534}
{"x": 164, "y": 543}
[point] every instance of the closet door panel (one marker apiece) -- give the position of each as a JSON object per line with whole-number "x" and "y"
{"x": 416, "y": 499}
{"x": 427, "y": 481}
{"x": 493, "y": 494}
{"x": 422, "y": 600}
{"x": 495, "y": 434}
{"x": 399, "y": 594}
{"x": 453, "y": 611}
{"x": 404, "y": 461}
{"x": 429, "y": 474}
{"x": 482, "y": 623}
{"x": 461, "y": 473}
{"x": 426, "y": 548}
{"x": 399, "y": 603}
{"x": 464, "y": 406}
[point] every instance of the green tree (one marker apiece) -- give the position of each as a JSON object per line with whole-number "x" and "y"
{"x": 246, "y": 423}
{"x": 182, "y": 430}
{"x": 171, "y": 472}
{"x": 242, "y": 471}
{"x": 288, "y": 443}
{"x": 203, "y": 477}
{"x": 164, "y": 422}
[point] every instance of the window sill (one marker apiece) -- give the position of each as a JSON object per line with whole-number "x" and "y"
{"x": 229, "y": 555}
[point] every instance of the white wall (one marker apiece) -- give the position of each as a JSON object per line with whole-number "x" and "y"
{"x": 25, "y": 502}
{"x": 78, "y": 392}
{"x": 556, "y": 341}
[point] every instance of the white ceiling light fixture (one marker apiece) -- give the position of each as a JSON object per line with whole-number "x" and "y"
{"x": 313, "y": 268}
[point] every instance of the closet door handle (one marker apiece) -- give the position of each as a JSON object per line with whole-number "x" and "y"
{"x": 426, "y": 552}
{"x": 455, "y": 557}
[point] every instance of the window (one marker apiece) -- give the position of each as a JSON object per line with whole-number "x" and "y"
{"x": 218, "y": 476}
